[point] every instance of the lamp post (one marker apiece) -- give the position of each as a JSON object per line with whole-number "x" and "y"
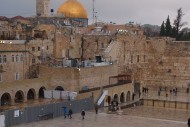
{"x": 68, "y": 96}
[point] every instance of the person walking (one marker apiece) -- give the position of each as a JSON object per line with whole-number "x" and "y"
{"x": 83, "y": 114}
{"x": 96, "y": 108}
{"x": 70, "y": 113}
{"x": 188, "y": 123}
{"x": 65, "y": 112}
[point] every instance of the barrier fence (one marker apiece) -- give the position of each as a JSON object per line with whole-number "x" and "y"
{"x": 37, "y": 113}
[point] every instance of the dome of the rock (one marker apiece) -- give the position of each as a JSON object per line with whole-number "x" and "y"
{"x": 72, "y": 9}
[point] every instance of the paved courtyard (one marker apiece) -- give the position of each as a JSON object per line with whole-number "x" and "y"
{"x": 139, "y": 116}
{"x": 133, "y": 117}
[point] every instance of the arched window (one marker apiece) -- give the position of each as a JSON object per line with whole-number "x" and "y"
{"x": 0, "y": 59}
{"x": 17, "y": 58}
{"x": 5, "y": 59}
{"x": 21, "y": 57}
{"x": 13, "y": 58}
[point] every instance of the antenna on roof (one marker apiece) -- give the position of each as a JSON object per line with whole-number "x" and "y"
{"x": 93, "y": 11}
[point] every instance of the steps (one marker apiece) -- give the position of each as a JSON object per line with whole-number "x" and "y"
{"x": 105, "y": 92}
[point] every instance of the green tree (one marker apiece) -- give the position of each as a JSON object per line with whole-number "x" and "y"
{"x": 168, "y": 27}
{"x": 162, "y": 29}
{"x": 178, "y": 22}
{"x": 185, "y": 35}
{"x": 173, "y": 32}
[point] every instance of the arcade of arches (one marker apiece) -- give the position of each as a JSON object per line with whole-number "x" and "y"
{"x": 29, "y": 90}
{"x": 123, "y": 97}
{"x": 20, "y": 96}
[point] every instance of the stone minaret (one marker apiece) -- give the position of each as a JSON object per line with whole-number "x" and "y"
{"x": 42, "y": 8}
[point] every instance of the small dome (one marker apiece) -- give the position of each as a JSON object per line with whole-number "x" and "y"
{"x": 72, "y": 9}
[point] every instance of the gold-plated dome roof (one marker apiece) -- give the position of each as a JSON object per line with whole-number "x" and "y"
{"x": 72, "y": 9}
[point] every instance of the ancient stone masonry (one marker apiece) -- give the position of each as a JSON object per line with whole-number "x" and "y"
{"x": 168, "y": 64}
{"x": 94, "y": 45}
{"x": 126, "y": 51}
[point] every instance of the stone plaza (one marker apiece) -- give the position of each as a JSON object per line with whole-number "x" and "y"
{"x": 136, "y": 116}
{"x": 139, "y": 116}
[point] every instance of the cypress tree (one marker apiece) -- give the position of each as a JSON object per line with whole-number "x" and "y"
{"x": 162, "y": 29}
{"x": 178, "y": 22}
{"x": 168, "y": 28}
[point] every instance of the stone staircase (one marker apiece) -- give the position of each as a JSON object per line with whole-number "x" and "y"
{"x": 108, "y": 49}
{"x": 113, "y": 48}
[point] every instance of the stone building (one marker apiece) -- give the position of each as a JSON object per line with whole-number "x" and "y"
{"x": 14, "y": 61}
{"x": 60, "y": 55}
{"x": 91, "y": 72}
{"x": 16, "y": 28}
{"x": 42, "y": 8}
{"x": 4, "y": 29}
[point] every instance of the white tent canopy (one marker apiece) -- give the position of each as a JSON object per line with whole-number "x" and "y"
{"x": 55, "y": 94}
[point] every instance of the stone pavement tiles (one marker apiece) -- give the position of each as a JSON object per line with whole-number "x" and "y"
{"x": 130, "y": 118}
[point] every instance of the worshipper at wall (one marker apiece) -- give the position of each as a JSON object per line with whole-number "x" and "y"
{"x": 83, "y": 114}
{"x": 70, "y": 113}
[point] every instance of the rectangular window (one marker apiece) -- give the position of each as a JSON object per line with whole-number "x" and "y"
{"x": 21, "y": 57}
{"x": 67, "y": 53}
{"x": 33, "y": 60}
{"x": 131, "y": 58}
{"x": 17, "y": 76}
{"x": 0, "y": 59}
{"x": 1, "y": 78}
{"x": 33, "y": 48}
{"x": 5, "y": 59}
{"x": 13, "y": 58}
{"x": 137, "y": 58}
{"x": 17, "y": 58}
{"x": 102, "y": 45}
{"x": 38, "y": 48}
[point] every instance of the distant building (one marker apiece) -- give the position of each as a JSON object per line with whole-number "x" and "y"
{"x": 42, "y": 8}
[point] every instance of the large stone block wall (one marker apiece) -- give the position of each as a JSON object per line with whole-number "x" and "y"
{"x": 95, "y": 45}
{"x": 172, "y": 67}
{"x": 75, "y": 79}
{"x": 61, "y": 45}
{"x": 154, "y": 61}
{"x": 97, "y": 76}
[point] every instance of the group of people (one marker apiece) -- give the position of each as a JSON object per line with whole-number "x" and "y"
{"x": 172, "y": 91}
{"x": 67, "y": 113}
{"x": 70, "y": 112}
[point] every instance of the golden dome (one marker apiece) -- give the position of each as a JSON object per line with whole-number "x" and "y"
{"x": 72, "y": 9}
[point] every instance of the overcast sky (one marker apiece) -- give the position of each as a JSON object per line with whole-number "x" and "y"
{"x": 118, "y": 11}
